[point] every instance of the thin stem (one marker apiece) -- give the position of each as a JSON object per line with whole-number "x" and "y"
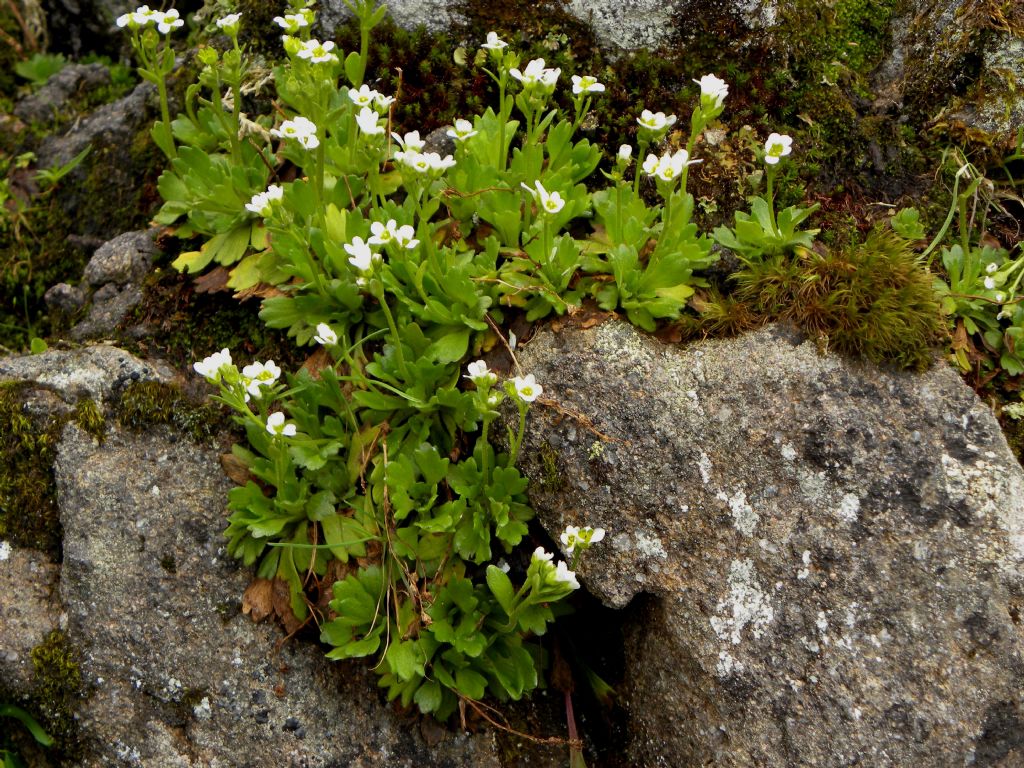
{"x": 394, "y": 334}
{"x": 771, "y": 199}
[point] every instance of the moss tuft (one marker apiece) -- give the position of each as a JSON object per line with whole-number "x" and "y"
{"x": 872, "y": 300}
{"x": 89, "y": 418}
{"x": 57, "y": 689}
{"x": 146, "y": 403}
{"x": 28, "y": 505}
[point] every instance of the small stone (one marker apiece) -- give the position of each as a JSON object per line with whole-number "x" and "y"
{"x": 65, "y": 298}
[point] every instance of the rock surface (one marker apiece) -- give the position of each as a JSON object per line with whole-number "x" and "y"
{"x": 179, "y": 677}
{"x": 98, "y": 372}
{"x": 29, "y": 611}
{"x": 125, "y": 259}
{"x": 831, "y": 556}
{"x": 50, "y": 103}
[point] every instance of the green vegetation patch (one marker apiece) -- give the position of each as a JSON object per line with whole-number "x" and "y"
{"x": 146, "y": 403}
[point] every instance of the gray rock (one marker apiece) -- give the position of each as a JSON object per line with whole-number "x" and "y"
{"x": 125, "y": 259}
{"x": 65, "y": 298}
{"x": 831, "y": 555}
{"x": 97, "y": 372}
{"x": 50, "y": 103}
{"x": 110, "y": 305}
{"x": 179, "y": 677}
{"x": 114, "y": 124}
{"x": 29, "y": 611}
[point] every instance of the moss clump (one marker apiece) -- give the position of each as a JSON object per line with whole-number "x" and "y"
{"x": 28, "y": 505}
{"x": 89, "y": 418}
{"x": 872, "y": 300}
{"x": 146, "y": 403}
{"x": 57, "y": 688}
{"x": 188, "y": 325}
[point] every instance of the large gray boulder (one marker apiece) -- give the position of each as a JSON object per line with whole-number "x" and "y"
{"x": 830, "y": 556}
{"x": 178, "y": 676}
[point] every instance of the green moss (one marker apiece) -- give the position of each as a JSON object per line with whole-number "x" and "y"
{"x": 873, "y": 300}
{"x": 28, "y": 507}
{"x": 188, "y": 325}
{"x": 552, "y": 479}
{"x": 89, "y": 418}
{"x": 57, "y": 689}
{"x": 146, "y": 403}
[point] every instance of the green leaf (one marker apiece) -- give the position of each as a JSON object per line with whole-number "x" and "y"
{"x": 450, "y": 348}
{"x": 470, "y": 684}
{"x": 193, "y": 261}
{"x": 428, "y": 696}
{"x": 37, "y": 346}
{"x": 501, "y": 587}
{"x": 404, "y": 658}
{"x": 354, "y": 68}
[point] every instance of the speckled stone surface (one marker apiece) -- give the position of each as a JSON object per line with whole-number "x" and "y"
{"x": 29, "y": 611}
{"x": 824, "y": 559}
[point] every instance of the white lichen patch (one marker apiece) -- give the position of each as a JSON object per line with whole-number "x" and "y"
{"x": 788, "y": 452}
{"x": 849, "y": 508}
{"x": 202, "y": 710}
{"x": 743, "y": 515}
{"x": 727, "y": 665}
{"x": 989, "y": 490}
{"x": 5, "y": 551}
{"x": 704, "y": 466}
{"x": 746, "y": 605}
{"x": 649, "y": 545}
{"x": 804, "y": 572}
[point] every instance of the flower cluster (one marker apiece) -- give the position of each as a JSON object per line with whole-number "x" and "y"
{"x": 301, "y": 129}
{"x": 536, "y": 77}
{"x": 669, "y": 166}
{"x": 558, "y": 576}
{"x": 365, "y": 96}
{"x": 262, "y": 203}
{"x": 656, "y": 123}
{"x": 424, "y": 162}
{"x": 386, "y": 233}
{"x": 574, "y": 538}
{"x": 317, "y": 52}
{"x": 164, "y": 21}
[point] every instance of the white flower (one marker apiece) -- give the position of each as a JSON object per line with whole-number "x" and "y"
{"x": 325, "y": 335}
{"x": 462, "y": 130}
{"x": 259, "y": 375}
{"x": 229, "y": 23}
{"x": 668, "y": 167}
{"x": 1000, "y": 297}
{"x": 655, "y": 121}
{"x": 276, "y": 425}
{"x": 367, "y": 120}
{"x": 383, "y": 233}
{"x": 480, "y": 375}
{"x": 777, "y": 146}
{"x": 212, "y": 367}
{"x": 411, "y": 142}
{"x": 990, "y": 284}
{"x": 570, "y": 538}
{"x": 494, "y": 43}
{"x": 550, "y": 202}
{"x": 502, "y": 564}
{"x": 596, "y": 535}
{"x": 713, "y": 91}
{"x": 167, "y": 21}
{"x": 406, "y": 237}
{"x": 586, "y": 84}
{"x": 535, "y": 74}
{"x": 262, "y": 203}
{"x": 364, "y": 97}
{"x": 424, "y": 162}
{"x": 138, "y": 18}
{"x": 625, "y": 154}
{"x": 564, "y": 575}
{"x": 361, "y": 256}
{"x": 540, "y": 554}
{"x": 292, "y": 22}
{"x": 382, "y": 102}
{"x": 301, "y": 129}
{"x": 317, "y": 52}
{"x": 991, "y": 268}
{"x": 527, "y": 388}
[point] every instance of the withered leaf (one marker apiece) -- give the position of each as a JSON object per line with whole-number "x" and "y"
{"x": 282, "y": 601}
{"x": 257, "y": 601}
{"x": 234, "y": 468}
{"x": 214, "y": 281}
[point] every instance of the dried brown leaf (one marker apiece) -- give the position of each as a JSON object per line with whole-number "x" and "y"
{"x": 257, "y": 601}
{"x": 235, "y": 468}
{"x": 214, "y": 281}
